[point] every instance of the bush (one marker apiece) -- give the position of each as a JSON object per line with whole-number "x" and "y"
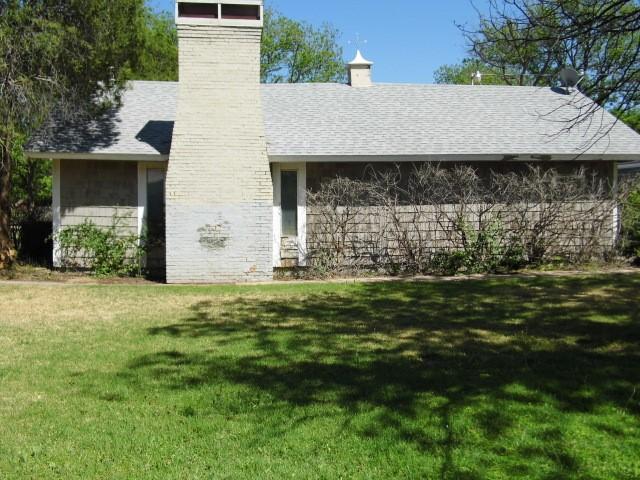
{"x": 429, "y": 219}
{"x": 100, "y": 250}
{"x": 631, "y": 225}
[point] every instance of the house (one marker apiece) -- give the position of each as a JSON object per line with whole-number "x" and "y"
{"x": 219, "y": 164}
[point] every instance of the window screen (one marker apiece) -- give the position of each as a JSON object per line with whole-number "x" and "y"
{"x": 289, "y": 203}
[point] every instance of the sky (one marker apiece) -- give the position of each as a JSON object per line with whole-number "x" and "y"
{"x": 406, "y": 39}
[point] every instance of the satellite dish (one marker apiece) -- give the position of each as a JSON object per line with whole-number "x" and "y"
{"x": 570, "y": 77}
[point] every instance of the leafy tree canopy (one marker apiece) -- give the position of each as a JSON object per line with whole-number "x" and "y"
{"x": 528, "y": 42}
{"x": 294, "y": 51}
{"x": 62, "y": 55}
{"x": 631, "y": 118}
{"x": 158, "y": 56}
{"x": 463, "y": 73}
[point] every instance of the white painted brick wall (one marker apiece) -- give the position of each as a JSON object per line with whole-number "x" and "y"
{"x": 219, "y": 191}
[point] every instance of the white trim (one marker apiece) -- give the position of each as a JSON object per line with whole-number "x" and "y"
{"x": 98, "y": 156}
{"x": 277, "y": 215}
{"x": 302, "y": 214}
{"x": 301, "y": 240}
{"x": 56, "y": 212}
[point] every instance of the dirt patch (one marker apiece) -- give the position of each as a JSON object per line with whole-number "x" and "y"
{"x": 31, "y": 274}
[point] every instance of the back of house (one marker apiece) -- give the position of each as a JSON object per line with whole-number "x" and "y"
{"x": 217, "y": 168}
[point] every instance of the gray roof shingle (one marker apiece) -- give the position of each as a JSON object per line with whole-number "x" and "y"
{"x": 143, "y": 125}
{"x": 385, "y": 119}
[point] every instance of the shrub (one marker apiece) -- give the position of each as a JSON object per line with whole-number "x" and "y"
{"x": 631, "y": 225}
{"x": 101, "y": 250}
{"x": 430, "y": 219}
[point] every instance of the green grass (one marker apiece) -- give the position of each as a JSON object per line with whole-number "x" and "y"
{"x": 505, "y": 378}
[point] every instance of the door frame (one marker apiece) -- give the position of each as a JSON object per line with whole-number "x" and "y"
{"x": 301, "y": 238}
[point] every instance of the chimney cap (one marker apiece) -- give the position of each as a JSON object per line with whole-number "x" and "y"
{"x": 360, "y": 60}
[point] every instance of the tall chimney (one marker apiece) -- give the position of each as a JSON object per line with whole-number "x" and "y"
{"x": 219, "y": 193}
{"x": 360, "y": 71}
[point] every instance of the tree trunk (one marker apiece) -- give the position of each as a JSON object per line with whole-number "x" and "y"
{"x": 7, "y": 252}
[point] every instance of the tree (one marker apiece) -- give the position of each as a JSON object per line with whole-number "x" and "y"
{"x": 294, "y": 51}
{"x": 71, "y": 56}
{"x": 30, "y": 184}
{"x": 631, "y": 118}
{"x": 463, "y": 73}
{"x": 158, "y": 55}
{"x": 528, "y": 42}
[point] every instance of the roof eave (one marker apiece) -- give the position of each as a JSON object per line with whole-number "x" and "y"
{"x": 115, "y": 157}
{"x": 454, "y": 158}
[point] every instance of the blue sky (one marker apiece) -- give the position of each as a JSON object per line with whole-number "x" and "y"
{"x": 407, "y": 39}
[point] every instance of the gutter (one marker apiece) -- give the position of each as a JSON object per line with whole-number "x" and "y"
{"x": 123, "y": 157}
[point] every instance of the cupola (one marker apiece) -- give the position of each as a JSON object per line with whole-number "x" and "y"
{"x": 360, "y": 71}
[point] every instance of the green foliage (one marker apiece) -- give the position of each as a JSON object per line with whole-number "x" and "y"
{"x": 295, "y": 52}
{"x": 58, "y": 56}
{"x": 462, "y": 73}
{"x": 631, "y": 225}
{"x": 100, "y": 250}
{"x": 158, "y": 56}
{"x": 292, "y": 51}
{"x": 486, "y": 250}
{"x": 31, "y": 184}
{"x": 630, "y": 117}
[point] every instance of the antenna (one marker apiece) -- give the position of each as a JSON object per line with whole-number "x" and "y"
{"x": 570, "y": 77}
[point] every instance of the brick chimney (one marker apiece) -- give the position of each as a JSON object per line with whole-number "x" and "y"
{"x": 360, "y": 71}
{"x": 219, "y": 191}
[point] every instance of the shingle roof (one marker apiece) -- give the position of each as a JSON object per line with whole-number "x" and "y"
{"x": 143, "y": 125}
{"x": 385, "y": 119}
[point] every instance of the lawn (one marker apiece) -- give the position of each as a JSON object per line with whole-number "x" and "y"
{"x": 477, "y": 379}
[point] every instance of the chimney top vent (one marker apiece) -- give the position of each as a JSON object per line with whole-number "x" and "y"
{"x": 231, "y": 13}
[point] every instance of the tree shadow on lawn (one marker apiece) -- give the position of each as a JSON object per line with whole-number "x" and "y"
{"x": 410, "y": 351}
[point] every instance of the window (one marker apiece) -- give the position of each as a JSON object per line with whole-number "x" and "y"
{"x": 241, "y": 12}
{"x": 289, "y": 203}
{"x": 198, "y": 10}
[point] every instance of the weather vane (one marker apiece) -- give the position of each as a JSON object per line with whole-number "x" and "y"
{"x": 359, "y": 42}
